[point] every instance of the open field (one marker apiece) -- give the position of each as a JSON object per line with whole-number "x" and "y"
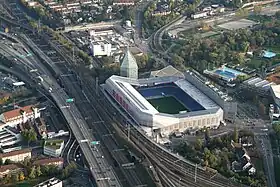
{"x": 168, "y": 104}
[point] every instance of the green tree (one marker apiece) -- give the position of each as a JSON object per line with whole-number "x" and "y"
{"x": 257, "y": 9}
{"x": 1, "y": 162}
{"x": 207, "y": 135}
{"x": 32, "y": 173}
{"x": 14, "y": 178}
{"x": 38, "y": 171}
{"x": 29, "y": 135}
{"x": 8, "y": 161}
{"x": 198, "y": 144}
{"x": 276, "y": 128}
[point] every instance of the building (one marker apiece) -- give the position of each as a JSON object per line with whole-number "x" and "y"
{"x": 167, "y": 71}
{"x": 243, "y": 162}
{"x": 124, "y": 2}
{"x": 275, "y": 91}
{"x": 53, "y": 147}
{"x": 101, "y": 48}
{"x": 9, "y": 136}
{"x": 53, "y": 182}
{"x": 19, "y": 116}
{"x": 16, "y": 156}
{"x": 50, "y": 161}
{"x": 129, "y": 67}
{"x": 188, "y": 107}
{"x": 9, "y": 169}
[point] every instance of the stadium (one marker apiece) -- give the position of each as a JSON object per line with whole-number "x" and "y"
{"x": 164, "y": 104}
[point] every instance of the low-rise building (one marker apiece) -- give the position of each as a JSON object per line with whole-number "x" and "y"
{"x": 19, "y": 116}
{"x": 124, "y": 2}
{"x": 50, "y": 161}
{"x": 101, "y": 48}
{"x": 53, "y": 182}
{"x": 9, "y": 136}
{"x": 16, "y": 156}
{"x": 53, "y": 147}
{"x": 9, "y": 169}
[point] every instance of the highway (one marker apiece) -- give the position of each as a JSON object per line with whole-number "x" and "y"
{"x": 72, "y": 115}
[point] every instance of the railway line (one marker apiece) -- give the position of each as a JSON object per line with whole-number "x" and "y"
{"x": 163, "y": 160}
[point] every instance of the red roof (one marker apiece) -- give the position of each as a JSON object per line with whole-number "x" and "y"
{"x": 13, "y": 153}
{"x": 17, "y": 112}
{"x": 4, "y": 168}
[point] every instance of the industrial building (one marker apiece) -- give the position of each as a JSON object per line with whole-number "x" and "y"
{"x": 183, "y": 106}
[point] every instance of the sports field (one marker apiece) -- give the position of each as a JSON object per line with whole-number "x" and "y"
{"x": 168, "y": 104}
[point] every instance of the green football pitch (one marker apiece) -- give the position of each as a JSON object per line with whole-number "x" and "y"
{"x": 168, "y": 104}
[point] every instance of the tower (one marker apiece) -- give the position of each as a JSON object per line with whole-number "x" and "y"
{"x": 129, "y": 67}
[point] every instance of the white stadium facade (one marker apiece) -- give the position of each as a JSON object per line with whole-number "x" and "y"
{"x": 135, "y": 95}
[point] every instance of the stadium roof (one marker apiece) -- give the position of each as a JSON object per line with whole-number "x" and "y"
{"x": 276, "y": 90}
{"x": 167, "y": 71}
{"x": 125, "y": 84}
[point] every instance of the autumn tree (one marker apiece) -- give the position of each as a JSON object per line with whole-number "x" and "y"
{"x": 21, "y": 176}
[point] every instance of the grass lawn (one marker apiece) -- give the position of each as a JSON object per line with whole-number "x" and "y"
{"x": 168, "y": 104}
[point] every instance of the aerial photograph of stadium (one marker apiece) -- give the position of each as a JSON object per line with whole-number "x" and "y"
{"x": 164, "y": 104}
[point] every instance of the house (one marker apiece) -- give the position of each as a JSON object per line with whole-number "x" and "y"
{"x": 9, "y": 169}
{"x": 243, "y": 162}
{"x": 50, "y": 161}
{"x": 19, "y": 116}
{"x": 16, "y": 156}
{"x": 53, "y": 147}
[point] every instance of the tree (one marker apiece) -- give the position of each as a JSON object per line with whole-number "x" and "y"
{"x": 14, "y": 178}
{"x": 1, "y": 161}
{"x": 21, "y": 176}
{"x": 32, "y": 173}
{"x": 29, "y": 135}
{"x": 257, "y": 9}
{"x": 8, "y": 161}
{"x": 198, "y": 144}
{"x": 235, "y": 135}
{"x": 207, "y": 135}
{"x": 276, "y": 128}
{"x": 38, "y": 171}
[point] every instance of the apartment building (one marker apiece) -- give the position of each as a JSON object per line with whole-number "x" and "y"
{"x": 53, "y": 147}
{"x": 53, "y": 182}
{"x": 16, "y": 156}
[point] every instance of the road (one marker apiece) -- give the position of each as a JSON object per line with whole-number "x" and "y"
{"x": 73, "y": 117}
